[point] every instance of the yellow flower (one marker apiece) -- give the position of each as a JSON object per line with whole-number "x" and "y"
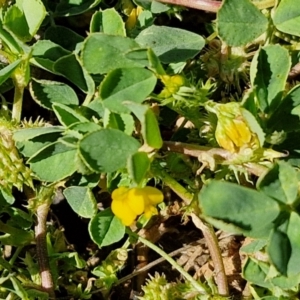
{"x": 133, "y": 18}
{"x": 128, "y": 203}
{"x": 233, "y": 132}
{"x": 172, "y": 85}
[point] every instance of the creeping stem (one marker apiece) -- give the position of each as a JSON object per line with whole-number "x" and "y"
{"x": 215, "y": 253}
{"x": 41, "y": 249}
{"x": 18, "y": 97}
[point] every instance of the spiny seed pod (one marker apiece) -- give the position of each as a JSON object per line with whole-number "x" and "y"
{"x": 13, "y": 171}
{"x": 158, "y": 288}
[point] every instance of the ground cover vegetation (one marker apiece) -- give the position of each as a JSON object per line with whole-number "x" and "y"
{"x": 149, "y": 150}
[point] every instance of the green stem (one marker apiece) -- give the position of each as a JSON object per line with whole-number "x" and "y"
{"x": 87, "y": 99}
{"x": 201, "y": 288}
{"x": 16, "y": 255}
{"x": 6, "y": 265}
{"x": 9, "y": 265}
{"x": 18, "y": 99}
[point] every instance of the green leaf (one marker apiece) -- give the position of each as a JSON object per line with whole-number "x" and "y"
{"x": 288, "y": 109}
{"x": 19, "y": 218}
{"x": 35, "y": 294}
{"x": 171, "y": 45}
{"x": 286, "y": 283}
{"x": 25, "y": 18}
{"x": 240, "y": 22}
{"x": 107, "y": 21}
{"x": 158, "y": 7}
{"x": 63, "y": 36}
{"x": 239, "y": 209}
{"x": 254, "y": 246}
{"x": 279, "y": 250}
{"x": 70, "y": 67}
{"x": 106, "y": 229}
{"x": 280, "y": 183}
{"x": 287, "y": 17}
{"x": 46, "y": 53}
{"x": 138, "y": 166}
{"x": 82, "y": 201}
{"x": 256, "y": 272}
{"x": 154, "y": 62}
{"x": 269, "y": 70}
{"x": 146, "y": 58}
{"x": 120, "y": 85}
{"x": 107, "y": 150}
{"x": 6, "y": 72}
{"x": 76, "y": 260}
{"x": 5, "y": 198}
{"x": 77, "y": 129}
{"x": 46, "y": 92}
{"x": 30, "y": 133}
{"x": 102, "y": 53}
{"x": 30, "y": 140}
{"x": 150, "y": 128}
{"x": 9, "y": 41}
{"x": 293, "y": 235}
{"x": 139, "y": 56}
{"x": 19, "y": 289}
{"x": 47, "y": 163}
{"x": 284, "y": 247}
{"x": 90, "y": 180}
{"x": 66, "y": 115}
{"x": 67, "y": 8}
{"x": 129, "y": 123}
{"x": 15, "y": 22}
{"x": 146, "y": 4}
{"x": 123, "y": 122}
{"x": 14, "y": 236}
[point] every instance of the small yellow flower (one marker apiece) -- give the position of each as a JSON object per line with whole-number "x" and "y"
{"x": 172, "y": 85}
{"x": 128, "y": 203}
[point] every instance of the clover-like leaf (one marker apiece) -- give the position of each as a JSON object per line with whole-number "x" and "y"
{"x": 240, "y": 22}
{"x": 105, "y": 228}
{"x": 238, "y": 209}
